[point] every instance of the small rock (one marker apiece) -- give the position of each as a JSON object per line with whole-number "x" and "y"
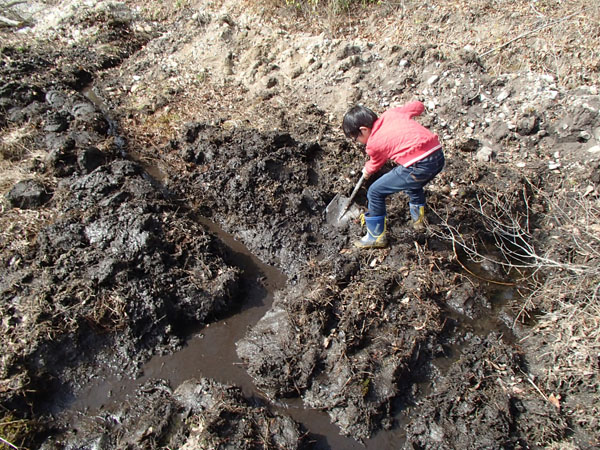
{"x": 485, "y": 154}
{"x": 527, "y": 125}
{"x": 595, "y": 149}
{"x": 230, "y": 124}
{"x": 432, "y": 80}
{"x": 502, "y": 96}
{"x": 553, "y": 165}
{"x": 548, "y": 78}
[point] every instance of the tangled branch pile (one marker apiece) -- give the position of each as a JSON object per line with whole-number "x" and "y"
{"x": 551, "y": 242}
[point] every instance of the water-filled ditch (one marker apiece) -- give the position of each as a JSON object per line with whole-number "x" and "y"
{"x": 211, "y": 351}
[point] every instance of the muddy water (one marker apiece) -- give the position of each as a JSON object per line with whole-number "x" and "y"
{"x": 215, "y": 347}
{"x": 211, "y": 353}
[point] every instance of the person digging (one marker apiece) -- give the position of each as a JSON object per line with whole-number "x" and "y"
{"x": 394, "y": 136}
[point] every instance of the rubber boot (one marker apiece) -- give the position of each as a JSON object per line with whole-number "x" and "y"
{"x": 417, "y": 212}
{"x": 376, "y": 229}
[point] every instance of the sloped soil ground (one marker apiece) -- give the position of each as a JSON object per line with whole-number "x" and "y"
{"x": 105, "y": 265}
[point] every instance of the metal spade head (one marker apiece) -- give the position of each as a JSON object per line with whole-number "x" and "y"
{"x": 339, "y": 212}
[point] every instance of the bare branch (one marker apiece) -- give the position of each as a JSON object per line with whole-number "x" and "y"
{"x": 5, "y": 21}
{"x": 521, "y": 36}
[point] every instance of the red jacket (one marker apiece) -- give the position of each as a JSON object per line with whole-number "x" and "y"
{"x": 396, "y": 136}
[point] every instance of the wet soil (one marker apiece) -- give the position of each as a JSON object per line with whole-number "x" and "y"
{"x": 180, "y": 287}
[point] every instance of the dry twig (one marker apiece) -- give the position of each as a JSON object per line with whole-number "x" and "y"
{"x": 537, "y": 30}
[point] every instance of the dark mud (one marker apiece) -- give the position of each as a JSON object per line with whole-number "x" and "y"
{"x": 119, "y": 258}
{"x": 122, "y": 267}
{"x": 485, "y": 410}
{"x": 198, "y": 414}
{"x": 355, "y": 332}
{"x": 121, "y": 271}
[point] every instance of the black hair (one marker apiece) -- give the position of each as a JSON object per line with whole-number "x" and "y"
{"x": 358, "y": 116}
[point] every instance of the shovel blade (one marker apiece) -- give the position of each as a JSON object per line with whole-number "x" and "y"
{"x": 338, "y": 211}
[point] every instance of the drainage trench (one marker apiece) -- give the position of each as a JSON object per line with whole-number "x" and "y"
{"x": 211, "y": 351}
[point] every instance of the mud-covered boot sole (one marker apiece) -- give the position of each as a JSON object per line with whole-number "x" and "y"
{"x": 381, "y": 244}
{"x": 419, "y": 225}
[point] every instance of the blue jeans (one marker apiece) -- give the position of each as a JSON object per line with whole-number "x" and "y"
{"x": 409, "y": 180}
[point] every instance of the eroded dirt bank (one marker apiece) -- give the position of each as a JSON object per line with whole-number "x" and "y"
{"x": 237, "y": 117}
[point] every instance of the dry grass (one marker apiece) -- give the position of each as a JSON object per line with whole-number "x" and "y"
{"x": 19, "y": 227}
{"x": 13, "y": 432}
{"x": 548, "y": 36}
{"x": 17, "y": 157}
{"x": 559, "y": 38}
{"x": 569, "y": 301}
{"x": 163, "y": 10}
{"x": 16, "y": 142}
{"x": 17, "y": 150}
{"x": 110, "y": 314}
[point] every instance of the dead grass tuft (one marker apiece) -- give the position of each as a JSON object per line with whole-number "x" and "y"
{"x": 19, "y": 227}
{"x": 14, "y": 432}
{"x": 16, "y": 152}
{"x": 16, "y": 142}
{"x": 109, "y": 313}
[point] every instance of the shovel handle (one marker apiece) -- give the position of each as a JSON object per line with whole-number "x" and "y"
{"x": 356, "y": 188}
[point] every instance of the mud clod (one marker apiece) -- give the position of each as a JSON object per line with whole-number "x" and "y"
{"x": 28, "y": 194}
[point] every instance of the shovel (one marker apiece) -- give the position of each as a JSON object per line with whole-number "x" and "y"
{"x": 338, "y": 207}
